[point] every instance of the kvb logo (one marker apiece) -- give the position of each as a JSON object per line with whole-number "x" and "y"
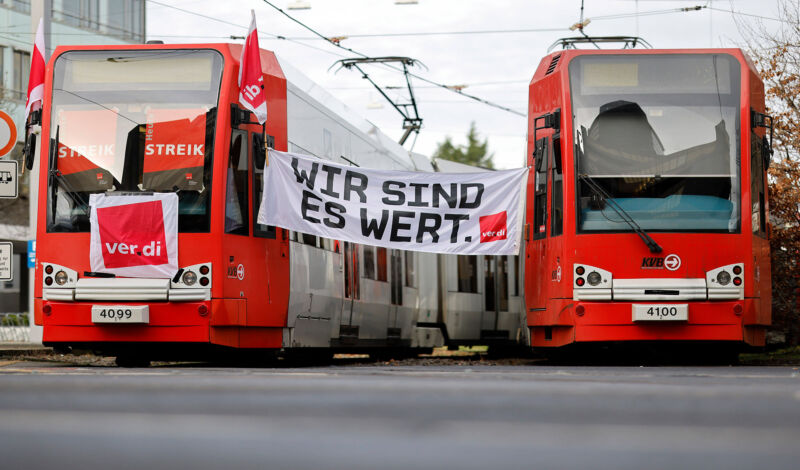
{"x": 132, "y": 235}
{"x": 671, "y": 262}
{"x": 493, "y": 227}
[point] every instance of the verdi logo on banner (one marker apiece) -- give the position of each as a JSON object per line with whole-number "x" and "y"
{"x": 464, "y": 213}
{"x": 174, "y": 149}
{"x": 134, "y": 236}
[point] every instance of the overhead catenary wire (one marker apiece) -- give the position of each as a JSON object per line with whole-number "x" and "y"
{"x": 418, "y": 77}
{"x": 218, "y": 20}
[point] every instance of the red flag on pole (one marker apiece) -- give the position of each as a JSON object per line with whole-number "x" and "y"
{"x": 36, "y": 78}
{"x": 251, "y": 81}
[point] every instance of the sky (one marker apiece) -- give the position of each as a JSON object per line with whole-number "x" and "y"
{"x": 492, "y": 47}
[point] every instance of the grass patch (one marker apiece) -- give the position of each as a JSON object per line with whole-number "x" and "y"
{"x": 780, "y": 357}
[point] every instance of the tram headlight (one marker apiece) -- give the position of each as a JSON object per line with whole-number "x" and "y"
{"x": 189, "y": 278}
{"x": 594, "y": 278}
{"x": 61, "y": 278}
{"x": 723, "y": 278}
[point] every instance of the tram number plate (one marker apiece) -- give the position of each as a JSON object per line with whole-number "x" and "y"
{"x": 660, "y": 312}
{"x": 120, "y": 314}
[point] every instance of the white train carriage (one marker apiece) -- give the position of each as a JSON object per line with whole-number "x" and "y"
{"x": 344, "y": 294}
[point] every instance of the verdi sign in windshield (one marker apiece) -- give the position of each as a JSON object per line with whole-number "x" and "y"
{"x": 457, "y": 213}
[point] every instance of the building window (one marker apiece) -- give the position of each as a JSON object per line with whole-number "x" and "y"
{"x": 2, "y": 69}
{"x": 22, "y": 69}
{"x": 80, "y": 13}
{"x": 467, "y": 273}
{"x": 21, "y": 5}
{"x": 126, "y": 19}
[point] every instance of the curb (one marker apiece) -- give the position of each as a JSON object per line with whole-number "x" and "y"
{"x": 23, "y": 349}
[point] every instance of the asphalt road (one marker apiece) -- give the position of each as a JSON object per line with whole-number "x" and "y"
{"x": 376, "y": 416}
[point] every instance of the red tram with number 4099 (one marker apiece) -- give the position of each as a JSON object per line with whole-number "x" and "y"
{"x": 647, "y": 215}
{"x": 163, "y": 121}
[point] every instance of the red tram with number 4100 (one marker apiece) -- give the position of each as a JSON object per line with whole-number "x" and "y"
{"x": 647, "y": 214}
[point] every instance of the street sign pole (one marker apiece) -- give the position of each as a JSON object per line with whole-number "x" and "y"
{"x": 39, "y": 9}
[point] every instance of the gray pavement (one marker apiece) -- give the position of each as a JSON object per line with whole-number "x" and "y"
{"x": 376, "y": 416}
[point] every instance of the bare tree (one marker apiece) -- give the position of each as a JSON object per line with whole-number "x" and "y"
{"x": 775, "y": 49}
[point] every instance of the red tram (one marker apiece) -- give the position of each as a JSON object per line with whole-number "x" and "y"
{"x": 144, "y": 119}
{"x": 647, "y": 203}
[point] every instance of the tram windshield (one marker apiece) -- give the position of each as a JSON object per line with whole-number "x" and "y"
{"x": 660, "y": 134}
{"x": 132, "y": 121}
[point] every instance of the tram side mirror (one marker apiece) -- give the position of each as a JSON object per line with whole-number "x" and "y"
{"x": 239, "y": 116}
{"x": 29, "y": 151}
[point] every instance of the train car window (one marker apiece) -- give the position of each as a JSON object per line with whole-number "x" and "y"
{"x": 369, "y": 262}
{"x": 257, "y": 143}
{"x": 489, "y": 284}
{"x": 758, "y": 213}
{"x": 236, "y": 216}
{"x": 397, "y": 277}
{"x": 557, "y": 203}
{"x": 382, "y": 269}
{"x": 502, "y": 282}
{"x": 352, "y": 285}
{"x": 516, "y": 276}
{"x": 467, "y": 273}
{"x": 540, "y": 196}
{"x": 411, "y": 273}
{"x": 310, "y": 240}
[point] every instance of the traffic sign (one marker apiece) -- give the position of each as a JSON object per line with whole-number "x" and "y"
{"x": 9, "y": 182}
{"x": 31, "y": 254}
{"x": 6, "y": 261}
{"x": 8, "y": 133}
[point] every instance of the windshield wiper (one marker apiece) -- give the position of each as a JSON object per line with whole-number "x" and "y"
{"x": 647, "y": 239}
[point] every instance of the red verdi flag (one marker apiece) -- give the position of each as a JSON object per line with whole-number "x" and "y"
{"x": 251, "y": 81}
{"x": 134, "y": 236}
{"x": 36, "y": 78}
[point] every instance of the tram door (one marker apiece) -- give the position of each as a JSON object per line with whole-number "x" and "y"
{"x": 351, "y": 281}
{"x": 495, "y": 278}
{"x": 537, "y": 262}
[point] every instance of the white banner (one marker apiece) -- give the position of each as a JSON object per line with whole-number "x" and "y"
{"x": 134, "y": 236}
{"x": 456, "y": 213}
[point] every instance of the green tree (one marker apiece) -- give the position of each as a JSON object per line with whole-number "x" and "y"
{"x": 475, "y": 153}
